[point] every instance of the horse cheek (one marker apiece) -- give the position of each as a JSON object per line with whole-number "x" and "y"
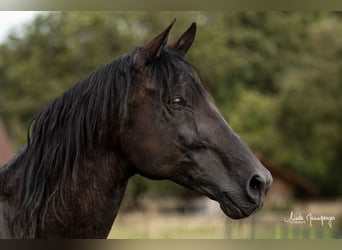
{"x": 146, "y": 149}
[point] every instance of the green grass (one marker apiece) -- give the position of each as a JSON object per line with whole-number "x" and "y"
{"x": 154, "y": 226}
{"x": 170, "y": 227}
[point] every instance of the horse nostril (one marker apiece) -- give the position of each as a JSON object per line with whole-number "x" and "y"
{"x": 256, "y": 186}
{"x": 255, "y": 183}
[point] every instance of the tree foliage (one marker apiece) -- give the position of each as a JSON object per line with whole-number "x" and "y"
{"x": 276, "y": 76}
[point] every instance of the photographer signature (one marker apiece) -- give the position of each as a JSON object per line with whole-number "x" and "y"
{"x": 300, "y": 219}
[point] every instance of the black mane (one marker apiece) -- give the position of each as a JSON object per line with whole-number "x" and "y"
{"x": 73, "y": 124}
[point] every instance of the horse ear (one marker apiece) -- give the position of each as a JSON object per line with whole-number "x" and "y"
{"x": 154, "y": 47}
{"x": 184, "y": 43}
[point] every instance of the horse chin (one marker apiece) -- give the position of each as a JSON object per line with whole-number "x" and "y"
{"x": 233, "y": 210}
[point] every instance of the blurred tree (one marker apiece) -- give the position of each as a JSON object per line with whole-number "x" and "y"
{"x": 254, "y": 118}
{"x": 299, "y": 125}
{"x": 56, "y": 50}
{"x": 310, "y": 114}
{"x": 263, "y": 44}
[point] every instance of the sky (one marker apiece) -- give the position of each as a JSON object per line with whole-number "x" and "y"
{"x": 14, "y": 20}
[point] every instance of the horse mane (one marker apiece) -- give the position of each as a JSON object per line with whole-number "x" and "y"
{"x": 58, "y": 136}
{"x": 74, "y": 124}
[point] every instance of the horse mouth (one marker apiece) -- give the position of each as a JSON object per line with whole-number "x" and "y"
{"x": 233, "y": 210}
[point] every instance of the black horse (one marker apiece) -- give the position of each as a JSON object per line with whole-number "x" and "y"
{"x": 143, "y": 113}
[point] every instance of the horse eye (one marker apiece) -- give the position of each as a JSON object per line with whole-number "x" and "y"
{"x": 176, "y": 102}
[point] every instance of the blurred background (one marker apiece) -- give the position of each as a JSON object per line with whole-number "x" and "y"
{"x": 275, "y": 76}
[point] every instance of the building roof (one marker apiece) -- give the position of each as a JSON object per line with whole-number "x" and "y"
{"x": 303, "y": 186}
{"x": 6, "y": 150}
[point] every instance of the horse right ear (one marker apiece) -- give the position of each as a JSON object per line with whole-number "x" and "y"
{"x": 184, "y": 43}
{"x": 153, "y": 49}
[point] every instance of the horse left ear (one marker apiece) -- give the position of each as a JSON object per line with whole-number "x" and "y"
{"x": 154, "y": 47}
{"x": 184, "y": 43}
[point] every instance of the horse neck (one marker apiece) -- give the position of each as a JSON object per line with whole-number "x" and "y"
{"x": 92, "y": 200}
